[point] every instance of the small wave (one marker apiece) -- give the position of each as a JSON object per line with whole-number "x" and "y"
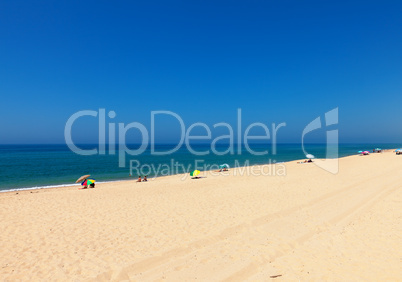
{"x": 52, "y": 186}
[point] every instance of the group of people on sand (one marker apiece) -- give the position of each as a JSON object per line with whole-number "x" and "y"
{"x": 142, "y": 180}
{"x": 85, "y": 181}
{"x": 306, "y": 161}
{"x": 90, "y": 186}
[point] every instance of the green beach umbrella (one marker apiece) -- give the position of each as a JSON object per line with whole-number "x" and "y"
{"x": 195, "y": 173}
{"x": 224, "y": 166}
{"x": 88, "y": 182}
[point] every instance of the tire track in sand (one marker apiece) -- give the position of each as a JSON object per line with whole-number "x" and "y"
{"x": 253, "y": 267}
{"x": 153, "y": 262}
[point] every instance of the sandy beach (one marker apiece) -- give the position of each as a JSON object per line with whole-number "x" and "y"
{"x": 307, "y": 225}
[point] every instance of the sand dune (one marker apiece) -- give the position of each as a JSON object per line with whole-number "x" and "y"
{"x": 306, "y": 225}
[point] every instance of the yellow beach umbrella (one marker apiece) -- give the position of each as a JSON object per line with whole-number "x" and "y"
{"x": 195, "y": 173}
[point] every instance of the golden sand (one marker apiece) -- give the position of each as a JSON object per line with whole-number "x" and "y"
{"x": 306, "y": 225}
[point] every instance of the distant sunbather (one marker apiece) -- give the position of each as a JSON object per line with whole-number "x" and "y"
{"x": 306, "y": 161}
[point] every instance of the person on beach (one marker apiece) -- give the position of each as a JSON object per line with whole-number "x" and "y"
{"x": 222, "y": 169}
{"x": 306, "y": 161}
{"x": 92, "y": 185}
{"x": 139, "y": 179}
{"x": 145, "y": 178}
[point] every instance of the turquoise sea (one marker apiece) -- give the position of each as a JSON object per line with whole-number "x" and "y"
{"x": 28, "y": 166}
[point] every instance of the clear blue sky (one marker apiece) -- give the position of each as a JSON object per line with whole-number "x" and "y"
{"x": 280, "y": 61}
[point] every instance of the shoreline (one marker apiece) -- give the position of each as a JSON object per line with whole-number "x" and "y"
{"x": 58, "y": 186}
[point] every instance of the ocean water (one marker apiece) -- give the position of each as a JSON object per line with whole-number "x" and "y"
{"x": 34, "y": 166}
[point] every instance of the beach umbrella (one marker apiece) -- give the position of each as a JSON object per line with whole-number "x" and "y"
{"x": 195, "y": 173}
{"x": 360, "y": 152}
{"x": 82, "y": 178}
{"x": 88, "y": 182}
{"x": 224, "y": 166}
{"x": 310, "y": 156}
